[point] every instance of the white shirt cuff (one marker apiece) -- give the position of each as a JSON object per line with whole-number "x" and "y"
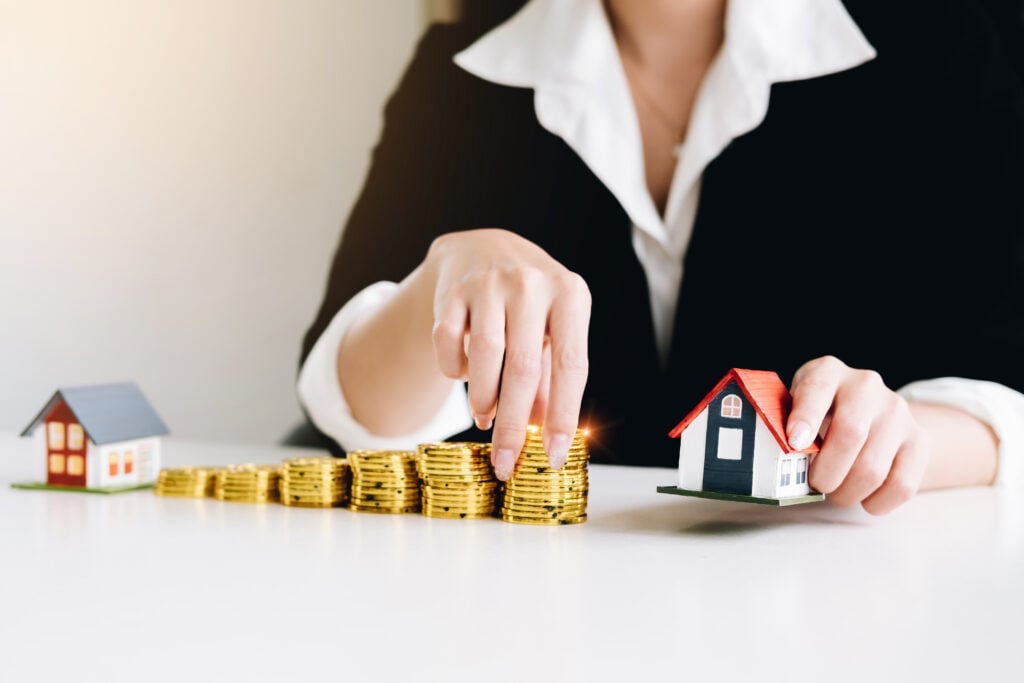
{"x": 1000, "y": 407}
{"x": 320, "y": 393}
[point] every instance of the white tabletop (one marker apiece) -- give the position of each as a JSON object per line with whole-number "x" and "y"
{"x": 652, "y": 587}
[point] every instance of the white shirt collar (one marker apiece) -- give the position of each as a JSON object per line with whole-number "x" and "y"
{"x": 565, "y": 51}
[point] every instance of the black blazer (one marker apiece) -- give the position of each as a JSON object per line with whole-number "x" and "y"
{"x": 877, "y": 215}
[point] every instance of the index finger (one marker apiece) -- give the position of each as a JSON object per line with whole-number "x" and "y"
{"x": 814, "y": 390}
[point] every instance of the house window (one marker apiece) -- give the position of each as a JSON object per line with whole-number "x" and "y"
{"x": 76, "y": 438}
{"x": 76, "y": 465}
{"x": 732, "y": 406}
{"x": 56, "y": 435}
{"x": 801, "y": 471}
{"x": 787, "y": 473}
{"x": 112, "y": 460}
{"x": 129, "y": 462}
{"x": 56, "y": 463}
{"x": 730, "y": 444}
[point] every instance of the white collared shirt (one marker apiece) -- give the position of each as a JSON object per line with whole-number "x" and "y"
{"x": 565, "y": 51}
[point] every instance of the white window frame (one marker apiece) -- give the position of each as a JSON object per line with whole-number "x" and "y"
{"x": 801, "y": 471}
{"x": 786, "y": 474}
{"x": 732, "y": 407}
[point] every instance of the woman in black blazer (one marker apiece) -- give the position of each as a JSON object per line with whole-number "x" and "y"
{"x": 874, "y": 214}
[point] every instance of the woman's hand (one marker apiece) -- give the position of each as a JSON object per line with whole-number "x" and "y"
{"x": 526, "y": 318}
{"x": 873, "y": 451}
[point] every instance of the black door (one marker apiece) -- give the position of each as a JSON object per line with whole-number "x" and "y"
{"x": 729, "y": 447}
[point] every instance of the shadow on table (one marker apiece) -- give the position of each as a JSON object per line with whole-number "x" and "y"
{"x": 717, "y": 518}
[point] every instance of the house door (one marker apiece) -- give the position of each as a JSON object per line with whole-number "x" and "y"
{"x": 65, "y": 448}
{"x": 65, "y": 454}
{"x": 729, "y": 444}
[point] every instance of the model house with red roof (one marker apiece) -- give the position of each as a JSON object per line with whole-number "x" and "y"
{"x": 733, "y": 444}
{"x": 102, "y": 438}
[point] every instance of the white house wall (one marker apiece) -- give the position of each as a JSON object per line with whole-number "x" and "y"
{"x": 99, "y": 464}
{"x": 794, "y": 489}
{"x": 148, "y": 469}
{"x": 766, "y": 462}
{"x": 692, "y": 444}
{"x": 41, "y": 462}
{"x": 768, "y": 458}
{"x": 92, "y": 465}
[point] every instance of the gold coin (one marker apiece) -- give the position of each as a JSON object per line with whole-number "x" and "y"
{"x": 461, "y": 485}
{"x": 394, "y": 488}
{"x": 543, "y": 514}
{"x": 458, "y": 475}
{"x": 543, "y": 522}
{"x": 314, "y": 485}
{"x": 536, "y": 486}
{"x": 536, "y": 450}
{"x": 552, "y": 511}
{"x": 457, "y": 515}
{"x": 369, "y": 456}
{"x": 539, "y": 480}
{"x": 358, "y": 507}
{"x": 314, "y": 463}
{"x": 483, "y": 503}
{"x": 546, "y": 504}
{"x": 314, "y": 476}
{"x": 447, "y": 493}
{"x": 455, "y": 480}
{"x": 312, "y": 504}
{"x": 458, "y": 507}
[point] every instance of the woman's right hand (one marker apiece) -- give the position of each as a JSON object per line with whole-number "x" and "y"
{"x": 513, "y": 322}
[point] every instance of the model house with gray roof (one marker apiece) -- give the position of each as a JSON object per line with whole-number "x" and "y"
{"x": 103, "y": 438}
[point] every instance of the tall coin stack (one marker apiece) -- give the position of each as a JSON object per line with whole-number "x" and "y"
{"x": 458, "y": 480}
{"x": 247, "y": 483}
{"x": 185, "y": 482}
{"x": 315, "y": 482}
{"x": 384, "y": 481}
{"x": 537, "y": 494}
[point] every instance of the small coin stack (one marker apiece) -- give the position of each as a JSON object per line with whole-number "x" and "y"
{"x": 458, "y": 480}
{"x": 315, "y": 482}
{"x": 186, "y": 482}
{"x": 384, "y": 481}
{"x": 537, "y": 494}
{"x": 247, "y": 483}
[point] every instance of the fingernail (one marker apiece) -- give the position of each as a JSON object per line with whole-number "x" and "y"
{"x": 483, "y": 422}
{"x": 504, "y": 463}
{"x": 558, "y": 450}
{"x": 800, "y": 436}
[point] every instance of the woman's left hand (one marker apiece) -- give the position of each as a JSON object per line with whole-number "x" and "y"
{"x": 873, "y": 451}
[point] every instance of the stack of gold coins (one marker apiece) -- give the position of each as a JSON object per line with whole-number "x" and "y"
{"x": 185, "y": 482}
{"x": 315, "y": 482}
{"x": 458, "y": 480}
{"x": 538, "y": 494}
{"x": 384, "y": 481}
{"x": 247, "y": 483}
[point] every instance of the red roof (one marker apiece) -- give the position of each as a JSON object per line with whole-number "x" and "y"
{"x": 768, "y": 395}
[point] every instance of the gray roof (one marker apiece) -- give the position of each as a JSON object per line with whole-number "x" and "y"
{"x": 107, "y": 412}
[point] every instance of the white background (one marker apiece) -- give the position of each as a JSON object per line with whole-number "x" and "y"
{"x": 173, "y": 181}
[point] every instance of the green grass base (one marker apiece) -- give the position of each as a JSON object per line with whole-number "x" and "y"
{"x": 792, "y": 500}
{"x": 40, "y": 486}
